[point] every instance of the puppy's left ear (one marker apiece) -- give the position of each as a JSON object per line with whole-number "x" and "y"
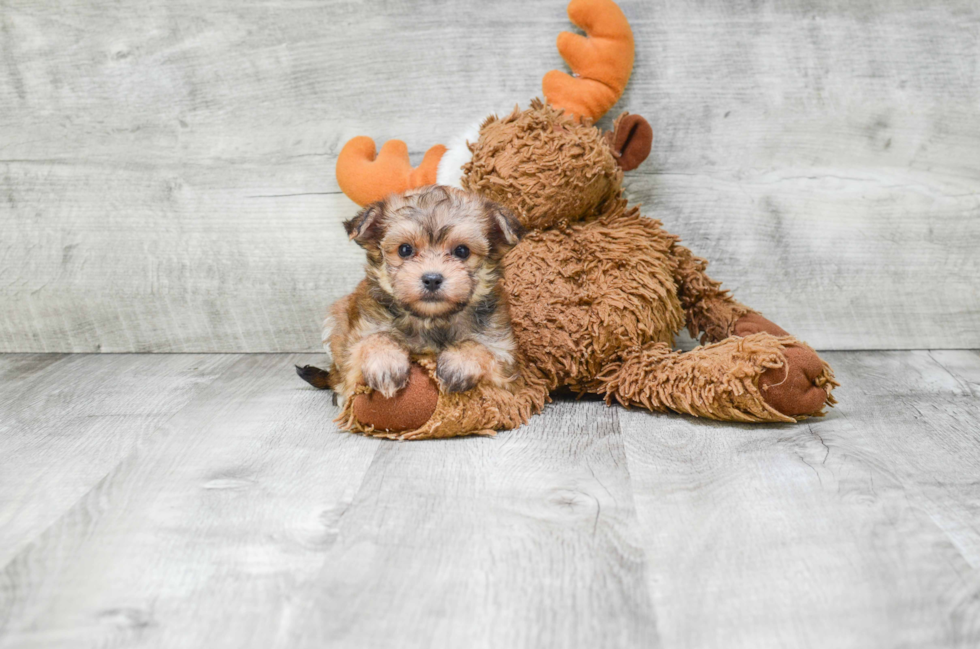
{"x": 505, "y": 229}
{"x": 367, "y": 226}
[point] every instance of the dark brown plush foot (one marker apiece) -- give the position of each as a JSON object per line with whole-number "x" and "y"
{"x": 795, "y": 389}
{"x": 410, "y": 408}
{"x": 753, "y": 323}
{"x": 798, "y": 388}
{"x": 319, "y": 379}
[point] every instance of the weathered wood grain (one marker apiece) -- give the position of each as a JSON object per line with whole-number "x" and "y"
{"x": 246, "y": 519}
{"x": 526, "y": 540}
{"x": 231, "y": 501}
{"x": 856, "y": 530}
{"x": 67, "y": 421}
{"x": 166, "y": 168}
{"x": 208, "y": 501}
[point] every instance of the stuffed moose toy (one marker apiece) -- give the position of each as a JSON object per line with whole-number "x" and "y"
{"x": 596, "y": 290}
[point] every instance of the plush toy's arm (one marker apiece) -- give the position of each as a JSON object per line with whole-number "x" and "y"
{"x": 709, "y": 310}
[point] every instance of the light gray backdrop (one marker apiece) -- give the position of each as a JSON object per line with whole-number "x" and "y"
{"x": 166, "y": 168}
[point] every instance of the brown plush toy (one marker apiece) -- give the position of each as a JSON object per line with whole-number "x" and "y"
{"x": 597, "y": 291}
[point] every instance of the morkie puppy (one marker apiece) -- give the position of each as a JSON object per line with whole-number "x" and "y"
{"x": 432, "y": 287}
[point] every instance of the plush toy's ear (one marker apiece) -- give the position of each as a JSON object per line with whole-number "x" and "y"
{"x": 630, "y": 140}
{"x": 368, "y": 225}
{"x": 505, "y": 229}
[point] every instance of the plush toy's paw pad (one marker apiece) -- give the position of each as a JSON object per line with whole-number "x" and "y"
{"x": 753, "y": 323}
{"x": 408, "y": 409}
{"x": 797, "y": 387}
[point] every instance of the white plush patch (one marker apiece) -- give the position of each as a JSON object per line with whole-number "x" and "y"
{"x": 450, "y": 170}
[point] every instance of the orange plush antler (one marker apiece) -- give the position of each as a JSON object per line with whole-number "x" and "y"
{"x": 366, "y": 178}
{"x": 601, "y": 62}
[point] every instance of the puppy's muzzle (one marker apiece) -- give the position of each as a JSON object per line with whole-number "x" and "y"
{"x": 432, "y": 282}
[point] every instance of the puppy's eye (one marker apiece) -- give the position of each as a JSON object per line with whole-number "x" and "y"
{"x": 461, "y": 252}
{"x": 405, "y": 251}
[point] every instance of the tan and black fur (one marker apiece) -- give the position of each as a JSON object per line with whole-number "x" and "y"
{"x": 432, "y": 287}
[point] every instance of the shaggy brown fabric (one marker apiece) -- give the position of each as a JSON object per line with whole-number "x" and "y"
{"x": 581, "y": 294}
{"x": 544, "y": 165}
{"x": 709, "y": 310}
{"x": 719, "y": 381}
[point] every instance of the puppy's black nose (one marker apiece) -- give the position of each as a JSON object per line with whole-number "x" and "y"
{"x": 432, "y": 281}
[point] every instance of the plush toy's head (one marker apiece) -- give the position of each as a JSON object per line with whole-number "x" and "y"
{"x": 550, "y": 168}
{"x": 544, "y": 166}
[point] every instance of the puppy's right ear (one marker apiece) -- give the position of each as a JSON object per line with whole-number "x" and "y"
{"x": 367, "y": 226}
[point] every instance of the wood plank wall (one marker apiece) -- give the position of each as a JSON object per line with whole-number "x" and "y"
{"x": 166, "y": 167}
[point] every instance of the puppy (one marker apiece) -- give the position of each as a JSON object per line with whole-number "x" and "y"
{"x": 432, "y": 287}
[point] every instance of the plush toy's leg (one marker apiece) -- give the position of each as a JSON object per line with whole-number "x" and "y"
{"x": 710, "y": 311}
{"x": 751, "y": 379}
{"x": 481, "y": 411}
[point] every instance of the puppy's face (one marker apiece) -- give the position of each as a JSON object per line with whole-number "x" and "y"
{"x": 435, "y": 250}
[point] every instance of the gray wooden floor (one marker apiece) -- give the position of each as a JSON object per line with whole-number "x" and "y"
{"x": 167, "y": 166}
{"x": 208, "y": 501}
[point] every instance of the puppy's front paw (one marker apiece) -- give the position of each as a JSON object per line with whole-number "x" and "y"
{"x": 458, "y": 371}
{"x": 386, "y": 370}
